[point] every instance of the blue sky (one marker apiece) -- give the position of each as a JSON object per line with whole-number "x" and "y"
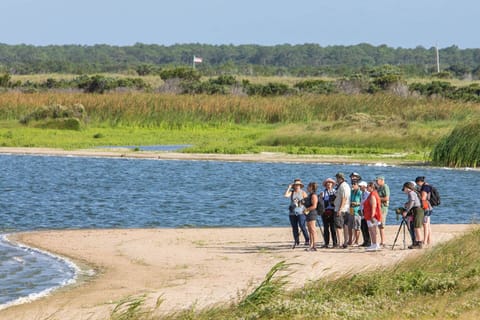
{"x": 395, "y": 23}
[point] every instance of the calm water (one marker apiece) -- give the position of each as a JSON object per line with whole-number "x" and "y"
{"x": 42, "y": 192}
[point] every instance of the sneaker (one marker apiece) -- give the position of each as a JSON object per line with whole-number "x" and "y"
{"x": 325, "y": 246}
{"x": 295, "y": 244}
{"x": 373, "y": 247}
{"x": 416, "y": 245}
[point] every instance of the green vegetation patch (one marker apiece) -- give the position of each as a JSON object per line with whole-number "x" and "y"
{"x": 461, "y": 148}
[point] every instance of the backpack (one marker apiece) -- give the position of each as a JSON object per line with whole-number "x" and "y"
{"x": 320, "y": 205}
{"x": 434, "y": 198}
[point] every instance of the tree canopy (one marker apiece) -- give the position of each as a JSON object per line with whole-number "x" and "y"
{"x": 285, "y": 59}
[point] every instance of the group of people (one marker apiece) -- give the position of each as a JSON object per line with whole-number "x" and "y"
{"x": 352, "y": 209}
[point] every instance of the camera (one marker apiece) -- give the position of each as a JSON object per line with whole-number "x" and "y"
{"x": 399, "y": 211}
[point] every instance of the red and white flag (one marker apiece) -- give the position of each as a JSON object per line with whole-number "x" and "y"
{"x": 197, "y": 59}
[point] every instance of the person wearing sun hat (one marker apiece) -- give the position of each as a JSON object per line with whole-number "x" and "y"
{"x": 384, "y": 192}
{"x": 328, "y": 197}
{"x": 296, "y": 216}
{"x": 413, "y": 207}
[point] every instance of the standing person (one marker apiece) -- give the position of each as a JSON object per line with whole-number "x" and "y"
{"x": 355, "y": 202}
{"x": 363, "y": 224}
{"x": 413, "y": 207}
{"x": 296, "y": 208}
{"x": 342, "y": 208}
{"x": 328, "y": 198}
{"x": 311, "y": 212}
{"x": 373, "y": 215}
{"x": 425, "y": 194}
{"x": 384, "y": 193}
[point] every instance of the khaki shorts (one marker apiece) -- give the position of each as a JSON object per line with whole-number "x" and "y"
{"x": 384, "y": 217}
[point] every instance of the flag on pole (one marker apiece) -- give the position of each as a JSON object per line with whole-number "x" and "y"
{"x": 197, "y": 59}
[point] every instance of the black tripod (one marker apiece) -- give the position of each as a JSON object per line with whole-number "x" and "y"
{"x": 402, "y": 226}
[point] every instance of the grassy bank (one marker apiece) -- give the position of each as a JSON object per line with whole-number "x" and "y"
{"x": 366, "y": 126}
{"x": 441, "y": 283}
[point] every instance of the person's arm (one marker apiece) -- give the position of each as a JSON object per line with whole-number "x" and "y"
{"x": 373, "y": 203}
{"x": 386, "y": 198}
{"x": 288, "y": 192}
{"x": 410, "y": 203}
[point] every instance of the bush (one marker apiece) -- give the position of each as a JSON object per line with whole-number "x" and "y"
{"x": 269, "y": 89}
{"x": 57, "y": 116}
{"x": 61, "y": 124}
{"x": 316, "y": 86}
{"x": 180, "y": 73}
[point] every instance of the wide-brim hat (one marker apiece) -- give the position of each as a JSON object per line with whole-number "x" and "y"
{"x": 409, "y": 185}
{"x": 324, "y": 183}
{"x": 340, "y": 175}
{"x": 355, "y": 175}
{"x": 298, "y": 182}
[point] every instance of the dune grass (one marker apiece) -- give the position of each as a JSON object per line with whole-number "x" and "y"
{"x": 441, "y": 283}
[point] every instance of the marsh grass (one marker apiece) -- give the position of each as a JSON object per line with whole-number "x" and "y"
{"x": 361, "y": 125}
{"x": 461, "y": 148}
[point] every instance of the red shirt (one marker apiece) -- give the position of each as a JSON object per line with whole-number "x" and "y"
{"x": 367, "y": 207}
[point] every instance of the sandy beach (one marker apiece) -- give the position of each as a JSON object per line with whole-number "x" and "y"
{"x": 188, "y": 267}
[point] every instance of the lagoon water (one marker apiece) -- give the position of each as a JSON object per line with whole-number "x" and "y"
{"x": 45, "y": 192}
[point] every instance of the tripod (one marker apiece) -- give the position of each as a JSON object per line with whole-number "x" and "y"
{"x": 402, "y": 226}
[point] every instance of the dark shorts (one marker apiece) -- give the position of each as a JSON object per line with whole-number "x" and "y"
{"x": 338, "y": 220}
{"x": 312, "y": 215}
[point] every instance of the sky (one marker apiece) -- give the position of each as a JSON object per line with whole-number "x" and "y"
{"x": 395, "y": 23}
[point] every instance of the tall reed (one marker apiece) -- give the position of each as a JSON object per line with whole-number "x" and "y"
{"x": 168, "y": 110}
{"x": 461, "y": 148}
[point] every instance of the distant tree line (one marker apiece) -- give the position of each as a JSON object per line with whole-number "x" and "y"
{"x": 256, "y": 60}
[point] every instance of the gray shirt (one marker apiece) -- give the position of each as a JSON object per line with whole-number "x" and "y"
{"x": 343, "y": 191}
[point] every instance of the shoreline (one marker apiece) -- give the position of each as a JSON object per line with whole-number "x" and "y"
{"x": 188, "y": 268}
{"x": 77, "y": 271}
{"x": 170, "y": 155}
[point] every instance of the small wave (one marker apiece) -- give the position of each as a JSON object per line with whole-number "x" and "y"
{"x": 72, "y": 267}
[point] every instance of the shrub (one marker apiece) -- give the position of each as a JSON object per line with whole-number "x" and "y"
{"x": 269, "y": 89}
{"x": 57, "y": 116}
{"x": 316, "y": 86}
{"x": 183, "y": 73}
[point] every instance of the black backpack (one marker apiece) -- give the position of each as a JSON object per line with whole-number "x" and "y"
{"x": 434, "y": 197}
{"x": 320, "y": 205}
